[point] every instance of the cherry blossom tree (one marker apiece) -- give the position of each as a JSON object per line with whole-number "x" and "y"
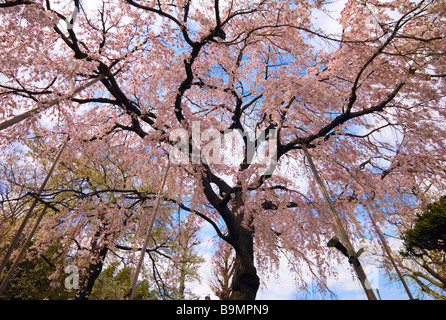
{"x": 368, "y": 104}
{"x": 98, "y": 212}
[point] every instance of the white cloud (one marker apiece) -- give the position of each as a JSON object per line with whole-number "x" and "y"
{"x": 326, "y": 21}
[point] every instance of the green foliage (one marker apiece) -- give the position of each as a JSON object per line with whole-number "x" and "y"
{"x": 113, "y": 283}
{"x": 429, "y": 231}
{"x": 32, "y": 280}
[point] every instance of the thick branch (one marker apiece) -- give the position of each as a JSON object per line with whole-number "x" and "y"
{"x": 339, "y": 120}
{"x": 47, "y": 105}
{"x": 15, "y": 3}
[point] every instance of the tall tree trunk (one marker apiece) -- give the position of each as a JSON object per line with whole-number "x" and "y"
{"x": 99, "y": 251}
{"x": 245, "y": 281}
{"x": 94, "y": 270}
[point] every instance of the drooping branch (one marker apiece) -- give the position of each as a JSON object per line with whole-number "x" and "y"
{"x": 19, "y": 118}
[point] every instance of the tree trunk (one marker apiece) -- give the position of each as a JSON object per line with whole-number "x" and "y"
{"x": 245, "y": 281}
{"x": 94, "y": 270}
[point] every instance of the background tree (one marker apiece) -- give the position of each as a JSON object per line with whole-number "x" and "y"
{"x": 424, "y": 250}
{"x": 223, "y": 270}
{"x": 186, "y": 260}
{"x": 429, "y": 230}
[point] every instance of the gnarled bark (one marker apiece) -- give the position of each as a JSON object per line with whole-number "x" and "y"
{"x": 245, "y": 281}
